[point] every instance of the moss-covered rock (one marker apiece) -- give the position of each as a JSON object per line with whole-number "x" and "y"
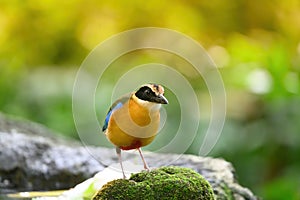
{"x": 162, "y": 183}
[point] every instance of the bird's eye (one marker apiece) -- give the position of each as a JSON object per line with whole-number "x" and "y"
{"x": 147, "y": 91}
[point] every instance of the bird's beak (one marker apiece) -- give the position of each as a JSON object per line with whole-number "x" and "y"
{"x": 161, "y": 99}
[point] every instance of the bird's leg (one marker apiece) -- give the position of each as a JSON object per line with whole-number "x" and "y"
{"x": 118, "y": 150}
{"x": 143, "y": 159}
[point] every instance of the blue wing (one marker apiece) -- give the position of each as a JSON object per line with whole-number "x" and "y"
{"x": 119, "y": 105}
{"x": 116, "y": 105}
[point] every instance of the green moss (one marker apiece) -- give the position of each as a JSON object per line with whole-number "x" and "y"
{"x": 162, "y": 183}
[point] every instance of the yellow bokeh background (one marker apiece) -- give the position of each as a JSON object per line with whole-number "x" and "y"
{"x": 255, "y": 44}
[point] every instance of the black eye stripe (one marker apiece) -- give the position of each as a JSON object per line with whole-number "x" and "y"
{"x": 145, "y": 93}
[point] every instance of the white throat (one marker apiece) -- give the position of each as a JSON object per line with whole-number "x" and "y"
{"x": 149, "y": 105}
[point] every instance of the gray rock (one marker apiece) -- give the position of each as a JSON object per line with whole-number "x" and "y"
{"x": 31, "y": 158}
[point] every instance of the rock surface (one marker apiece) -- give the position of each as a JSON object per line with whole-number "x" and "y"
{"x": 31, "y": 158}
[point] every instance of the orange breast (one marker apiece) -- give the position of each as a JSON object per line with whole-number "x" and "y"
{"x": 132, "y": 126}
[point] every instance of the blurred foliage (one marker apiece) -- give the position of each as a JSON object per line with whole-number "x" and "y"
{"x": 255, "y": 44}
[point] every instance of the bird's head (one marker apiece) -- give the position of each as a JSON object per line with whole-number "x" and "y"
{"x": 152, "y": 93}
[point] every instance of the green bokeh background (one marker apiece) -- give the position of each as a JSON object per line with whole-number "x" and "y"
{"x": 255, "y": 44}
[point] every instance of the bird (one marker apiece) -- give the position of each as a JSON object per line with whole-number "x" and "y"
{"x": 133, "y": 120}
